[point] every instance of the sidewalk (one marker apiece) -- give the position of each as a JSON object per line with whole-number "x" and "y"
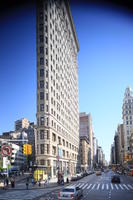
{"x": 22, "y": 186}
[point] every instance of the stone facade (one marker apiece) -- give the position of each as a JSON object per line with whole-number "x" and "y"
{"x": 57, "y": 137}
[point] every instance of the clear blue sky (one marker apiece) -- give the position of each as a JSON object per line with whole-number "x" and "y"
{"x": 105, "y": 67}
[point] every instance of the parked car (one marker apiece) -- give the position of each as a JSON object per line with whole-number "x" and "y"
{"x": 98, "y": 172}
{"x": 70, "y": 192}
{"x": 115, "y": 179}
{"x": 74, "y": 178}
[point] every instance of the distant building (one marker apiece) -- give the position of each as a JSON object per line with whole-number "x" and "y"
{"x": 127, "y": 118}
{"x": 95, "y": 146}
{"x": 21, "y": 136}
{"x": 86, "y": 133}
{"x": 120, "y": 131}
{"x": 100, "y": 156}
{"x": 117, "y": 148}
{"x": 21, "y": 123}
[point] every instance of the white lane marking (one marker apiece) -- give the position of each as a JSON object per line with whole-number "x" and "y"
{"x": 125, "y": 186}
{"x": 93, "y": 186}
{"x": 89, "y": 186}
{"x": 112, "y": 186}
{"x": 78, "y": 184}
{"x": 116, "y": 187}
{"x": 107, "y": 186}
{"x": 85, "y": 186}
{"x": 102, "y": 186}
{"x": 81, "y": 185}
{"x": 98, "y": 186}
{"x": 130, "y": 186}
{"x": 121, "y": 187}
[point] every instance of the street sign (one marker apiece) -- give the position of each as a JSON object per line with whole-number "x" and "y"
{"x": 6, "y": 150}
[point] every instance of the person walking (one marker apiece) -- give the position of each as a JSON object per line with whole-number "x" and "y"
{"x": 7, "y": 181}
{"x": 27, "y": 183}
{"x": 12, "y": 182}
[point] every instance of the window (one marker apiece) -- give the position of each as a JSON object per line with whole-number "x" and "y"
{"x": 53, "y": 150}
{"x": 41, "y": 121}
{"x": 41, "y": 107}
{"x": 42, "y": 84}
{"x": 42, "y": 162}
{"x": 41, "y": 49}
{"x": 41, "y": 148}
{"x": 48, "y": 149}
{"x": 46, "y": 96}
{"x": 46, "y": 40}
{"x": 59, "y": 140}
{"x": 47, "y": 134}
{"x": 41, "y": 27}
{"x": 63, "y": 153}
{"x": 47, "y": 85}
{"x": 46, "y": 18}
{"x": 41, "y": 61}
{"x": 53, "y": 137}
{"x": 46, "y": 61}
{"x": 41, "y": 134}
{"x": 46, "y": 51}
{"x": 41, "y": 95}
{"x": 46, "y": 29}
{"x": 47, "y": 74}
{"x": 41, "y": 38}
{"x": 41, "y": 72}
{"x": 41, "y": 15}
{"x": 63, "y": 142}
{"x": 46, "y": 108}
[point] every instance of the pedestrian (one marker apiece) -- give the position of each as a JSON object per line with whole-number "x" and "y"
{"x": 32, "y": 180}
{"x": 27, "y": 185}
{"x": 7, "y": 181}
{"x": 12, "y": 182}
{"x": 39, "y": 182}
{"x": 4, "y": 183}
{"x": 67, "y": 180}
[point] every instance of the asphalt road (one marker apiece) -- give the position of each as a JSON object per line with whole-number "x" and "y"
{"x": 100, "y": 188}
{"x": 94, "y": 188}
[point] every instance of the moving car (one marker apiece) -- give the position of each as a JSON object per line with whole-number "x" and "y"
{"x": 70, "y": 192}
{"x": 98, "y": 172}
{"x": 115, "y": 179}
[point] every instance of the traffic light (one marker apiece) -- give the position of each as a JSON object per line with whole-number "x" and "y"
{"x": 25, "y": 149}
{"x": 29, "y": 149}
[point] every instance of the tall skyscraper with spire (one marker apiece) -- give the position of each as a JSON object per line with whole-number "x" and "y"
{"x": 57, "y": 138}
{"x": 127, "y": 118}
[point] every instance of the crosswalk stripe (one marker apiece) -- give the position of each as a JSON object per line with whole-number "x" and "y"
{"x": 116, "y": 187}
{"x": 130, "y": 186}
{"x": 81, "y": 185}
{"x": 125, "y": 186}
{"x": 121, "y": 187}
{"x": 98, "y": 186}
{"x": 93, "y": 186}
{"x": 89, "y": 186}
{"x": 112, "y": 186}
{"x": 85, "y": 186}
{"x": 78, "y": 184}
{"x": 102, "y": 186}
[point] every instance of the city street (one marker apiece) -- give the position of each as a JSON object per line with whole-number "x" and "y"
{"x": 100, "y": 188}
{"x": 94, "y": 188}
